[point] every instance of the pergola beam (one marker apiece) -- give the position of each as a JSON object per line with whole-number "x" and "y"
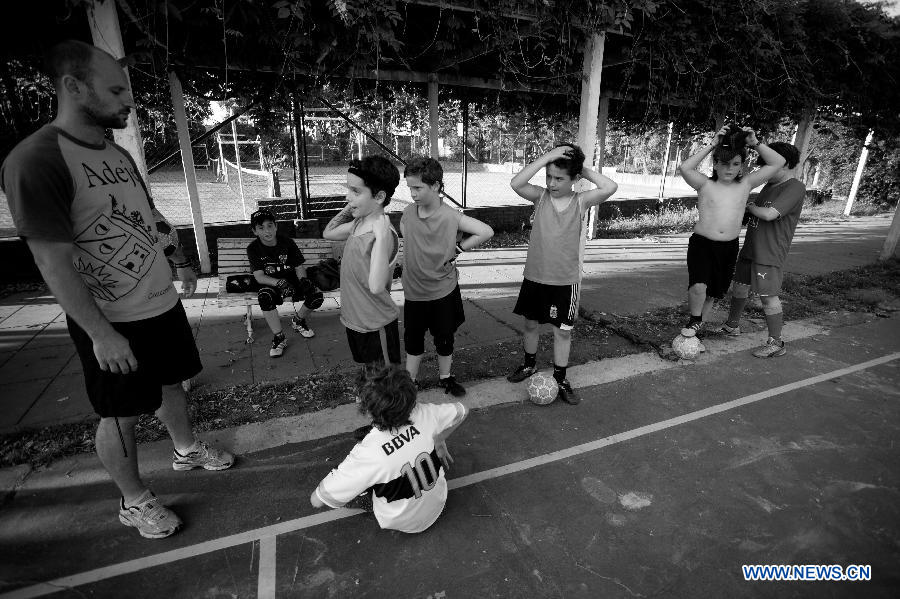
{"x": 451, "y": 80}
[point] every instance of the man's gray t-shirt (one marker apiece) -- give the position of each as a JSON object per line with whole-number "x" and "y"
{"x": 63, "y": 189}
{"x": 768, "y": 242}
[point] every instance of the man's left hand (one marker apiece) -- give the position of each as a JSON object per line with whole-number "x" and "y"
{"x": 188, "y": 279}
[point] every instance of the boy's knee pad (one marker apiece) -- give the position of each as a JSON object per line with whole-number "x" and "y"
{"x": 268, "y": 299}
{"x": 443, "y": 345}
{"x": 314, "y": 299}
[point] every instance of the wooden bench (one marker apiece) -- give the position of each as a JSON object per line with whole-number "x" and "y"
{"x": 232, "y": 260}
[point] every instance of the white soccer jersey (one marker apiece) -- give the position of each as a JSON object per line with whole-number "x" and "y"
{"x": 402, "y": 468}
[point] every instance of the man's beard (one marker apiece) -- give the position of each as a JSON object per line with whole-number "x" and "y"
{"x": 116, "y": 120}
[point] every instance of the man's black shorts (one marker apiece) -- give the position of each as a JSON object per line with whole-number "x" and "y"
{"x": 383, "y": 344}
{"x": 711, "y": 263}
{"x": 166, "y": 354}
{"x": 549, "y": 304}
{"x": 440, "y": 317}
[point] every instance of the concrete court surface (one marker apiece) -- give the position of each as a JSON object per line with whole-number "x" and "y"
{"x": 658, "y": 485}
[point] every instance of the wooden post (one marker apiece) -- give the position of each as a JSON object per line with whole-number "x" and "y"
{"x": 190, "y": 176}
{"x": 294, "y": 156}
{"x": 592, "y": 70}
{"x": 105, "y": 32}
{"x": 665, "y": 165}
{"x": 303, "y": 161}
{"x": 223, "y": 170}
{"x": 237, "y": 163}
{"x": 433, "y": 120}
{"x": 857, "y": 177}
{"x": 602, "y": 118}
{"x": 262, "y": 166}
{"x": 465, "y": 149}
{"x": 890, "y": 242}
{"x": 854, "y": 188}
{"x": 801, "y": 140}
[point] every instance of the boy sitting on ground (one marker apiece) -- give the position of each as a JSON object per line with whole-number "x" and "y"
{"x": 721, "y": 200}
{"x": 277, "y": 266}
{"x": 401, "y": 460}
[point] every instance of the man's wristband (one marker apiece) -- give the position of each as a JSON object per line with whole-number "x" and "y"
{"x": 185, "y": 264}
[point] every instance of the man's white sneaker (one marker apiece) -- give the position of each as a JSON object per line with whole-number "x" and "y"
{"x": 152, "y": 519}
{"x": 209, "y": 458}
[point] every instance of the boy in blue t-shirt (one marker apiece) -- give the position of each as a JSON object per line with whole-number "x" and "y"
{"x": 277, "y": 266}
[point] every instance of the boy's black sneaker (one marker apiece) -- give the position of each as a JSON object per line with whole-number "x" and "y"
{"x": 693, "y": 329}
{"x": 452, "y": 387}
{"x": 567, "y": 394}
{"x": 521, "y": 373}
{"x": 279, "y": 342}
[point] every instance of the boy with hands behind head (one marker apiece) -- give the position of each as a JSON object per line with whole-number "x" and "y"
{"x": 721, "y": 201}
{"x": 551, "y": 287}
{"x": 773, "y": 219}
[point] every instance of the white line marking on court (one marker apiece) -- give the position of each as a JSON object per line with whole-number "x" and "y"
{"x": 265, "y": 588}
{"x": 135, "y": 565}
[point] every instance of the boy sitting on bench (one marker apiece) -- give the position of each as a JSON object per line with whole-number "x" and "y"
{"x": 277, "y": 265}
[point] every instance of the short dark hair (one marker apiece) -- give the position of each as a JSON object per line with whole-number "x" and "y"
{"x": 389, "y": 397}
{"x": 378, "y": 173}
{"x": 70, "y": 57}
{"x": 733, "y": 143}
{"x": 426, "y": 168}
{"x": 789, "y": 152}
{"x": 573, "y": 164}
{"x": 261, "y": 216}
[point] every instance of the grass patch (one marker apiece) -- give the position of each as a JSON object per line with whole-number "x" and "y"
{"x": 245, "y": 404}
{"x": 669, "y": 219}
{"x": 873, "y": 289}
{"x": 678, "y": 219}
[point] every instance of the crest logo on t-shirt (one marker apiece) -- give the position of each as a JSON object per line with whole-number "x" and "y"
{"x": 117, "y": 251}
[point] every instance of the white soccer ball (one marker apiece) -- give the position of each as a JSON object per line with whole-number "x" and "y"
{"x": 542, "y": 389}
{"x": 687, "y": 347}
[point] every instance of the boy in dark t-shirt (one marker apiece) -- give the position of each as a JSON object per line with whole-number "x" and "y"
{"x": 773, "y": 219}
{"x": 277, "y": 265}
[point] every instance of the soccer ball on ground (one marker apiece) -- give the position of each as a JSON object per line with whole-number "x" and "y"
{"x": 542, "y": 389}
{"x": 687, "y": 347}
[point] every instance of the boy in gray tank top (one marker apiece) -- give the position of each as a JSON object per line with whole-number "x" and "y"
{"x": 367, "y": 311}
{"x": 432, "y": 301}
{"x": 551, "y": 286}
